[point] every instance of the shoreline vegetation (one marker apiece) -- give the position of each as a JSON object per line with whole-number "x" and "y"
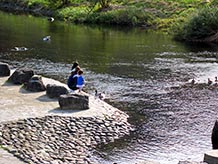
{"x": 186, "y": 20}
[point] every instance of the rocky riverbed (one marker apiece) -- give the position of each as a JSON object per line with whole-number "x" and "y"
{"x": 58, "y": 139}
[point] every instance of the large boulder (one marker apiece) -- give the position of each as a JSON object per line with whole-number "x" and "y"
{"x": 214, "y": 136}
{"x": 74, "y": 101}
{"x": 35, "y": 84}
{"x": 21, "y": 76}
{"x": 4, "y": 69}
{"x": 54, "y": 91}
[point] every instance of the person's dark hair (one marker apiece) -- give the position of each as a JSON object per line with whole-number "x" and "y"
{"x": 75, "y": 70}
{"x": 75, "y": 64}
{"x": 80, "y": 72}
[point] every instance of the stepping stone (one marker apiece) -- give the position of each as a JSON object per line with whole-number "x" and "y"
{"x": 74, "y": 101}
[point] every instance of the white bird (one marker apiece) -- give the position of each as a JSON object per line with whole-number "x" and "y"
{"x": 101, "y": 96}
{"x": 47, "y": 38}
{"x": 51, "y": 19}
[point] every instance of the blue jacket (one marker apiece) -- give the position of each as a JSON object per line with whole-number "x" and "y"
{"x": 80, "y": 80}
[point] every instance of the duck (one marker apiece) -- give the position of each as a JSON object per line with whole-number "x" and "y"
{"x": 20, "y": 49}
{"x": 193, "y": 81}
{"x": 51, "y": 19}
{"x": 209, "y": 82}
{"x": 47, "y": 38}
{"x": 100, "y": 95}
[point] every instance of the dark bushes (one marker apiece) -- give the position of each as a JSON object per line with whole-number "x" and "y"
{"x": 201, "y": 26}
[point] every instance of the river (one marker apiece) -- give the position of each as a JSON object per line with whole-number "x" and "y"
{"x": 137, "y": 69}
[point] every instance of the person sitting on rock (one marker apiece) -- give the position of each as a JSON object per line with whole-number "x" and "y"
{"x": 80, "y": 80}
{"x": 72, "y": 80}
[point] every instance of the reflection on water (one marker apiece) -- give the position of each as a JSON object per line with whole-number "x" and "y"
{"x": 136, "y": 70}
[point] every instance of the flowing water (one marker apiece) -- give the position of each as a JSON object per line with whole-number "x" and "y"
{"x": 138, "y": 70}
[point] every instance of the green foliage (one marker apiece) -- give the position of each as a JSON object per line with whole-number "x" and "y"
{"x": 58, "y": 3}
{"x": 38, "y": 2}
{"x": 74, "y": 14}
{"x": 103, "y": 4}
{"x": 201, "y": 25}
{"x": 130, "y": 16}
{"x": 214, "y": 3}
{"x": 55, "y": 3}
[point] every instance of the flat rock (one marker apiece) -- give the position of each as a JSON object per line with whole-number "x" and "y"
{"x": 35, "y": 84}
{"x": 54, "y": 91}
{"x": 74, "y": 101}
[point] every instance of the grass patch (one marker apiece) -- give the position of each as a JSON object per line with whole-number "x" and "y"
{"x": 38, "y": 2}
{"x": 74, "y": 14}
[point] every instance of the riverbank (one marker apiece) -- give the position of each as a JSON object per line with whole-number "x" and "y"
{"x": 163, "y": 15}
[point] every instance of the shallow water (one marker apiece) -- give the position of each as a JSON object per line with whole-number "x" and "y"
{"x": 136, "y": 69}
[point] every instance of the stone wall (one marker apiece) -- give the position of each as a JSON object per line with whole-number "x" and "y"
{"x": 56, "y": 139}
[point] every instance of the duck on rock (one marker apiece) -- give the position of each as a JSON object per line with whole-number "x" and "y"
{"x": 100, "y": 95}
